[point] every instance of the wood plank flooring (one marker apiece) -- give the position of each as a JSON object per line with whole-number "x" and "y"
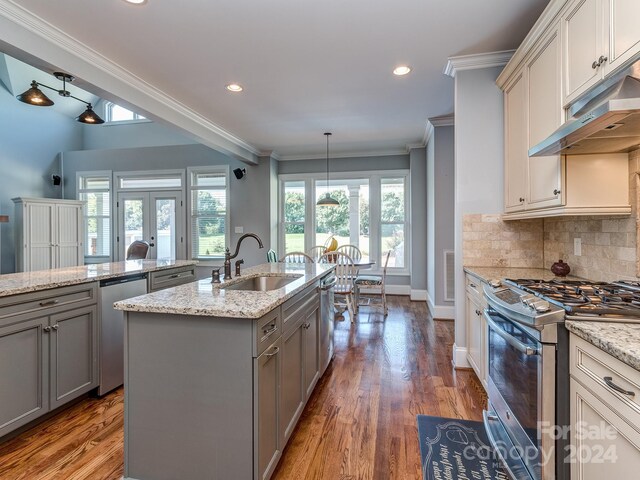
{"x": 359, "y": 424}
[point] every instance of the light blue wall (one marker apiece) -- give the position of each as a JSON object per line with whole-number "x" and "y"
{"x": 30, "y": 139}
{"x": 249, "y": 208}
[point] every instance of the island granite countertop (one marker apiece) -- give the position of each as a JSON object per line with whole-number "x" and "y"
{"x": 24, "y": 282}
{"x": 204, "y": 298}
{"x": 620, "y": 340}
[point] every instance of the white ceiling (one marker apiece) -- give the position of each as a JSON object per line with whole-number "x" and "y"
{"x": 307, "y": 66}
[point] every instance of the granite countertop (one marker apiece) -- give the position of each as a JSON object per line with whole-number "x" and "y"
{"x": 24, "y": 282}
{"x": 206, "y": 299}
{"x": 620, "y": 340}
{"x": 499, "y": 273}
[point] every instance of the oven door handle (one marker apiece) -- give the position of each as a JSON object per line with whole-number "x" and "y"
{"x": 528, "y": 350}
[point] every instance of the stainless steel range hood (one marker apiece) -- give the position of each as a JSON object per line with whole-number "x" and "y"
{"x": 606, "y": 120}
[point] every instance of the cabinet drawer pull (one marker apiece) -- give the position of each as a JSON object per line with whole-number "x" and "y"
{"x": 556, "y": 192}
{"x": 473, "y": 285}
{"x": 276, "y": 350}
{"x": 48, "y": 303}
{"x": 175, "y": 275}
{"x": 272, "y": 328}
{"x": 613, "y": 386}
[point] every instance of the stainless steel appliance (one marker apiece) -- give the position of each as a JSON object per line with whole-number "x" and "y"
{"x": 327, "y": 315}
{"x": 111, "y": 331}
{"x": 528, "y": 365}
{"x": 605, "y": 120}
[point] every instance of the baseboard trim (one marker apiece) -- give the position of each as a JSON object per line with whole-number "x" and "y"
{"x": 440, "y": 312}
{"x": 460, "y": 357}
{"x": 418, "y": 295}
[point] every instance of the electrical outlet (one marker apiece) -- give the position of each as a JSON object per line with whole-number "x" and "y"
{"x": 577, "y": 246}
{"x": 239, "y": 229}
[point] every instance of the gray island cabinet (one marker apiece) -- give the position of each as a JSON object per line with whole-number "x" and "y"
{"x": 216, "y": 379}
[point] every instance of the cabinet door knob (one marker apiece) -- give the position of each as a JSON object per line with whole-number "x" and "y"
{"x": 602, "y": 59}
{"x": 521, "y": 199}
{"x": 556, "y": 192}
{"x": 595, "y": 65}
{"x": 276, "y": 350}
{"x": 478, "y": 312}
{"x": 46, "y": 329}
{"x": 55, "y": 327}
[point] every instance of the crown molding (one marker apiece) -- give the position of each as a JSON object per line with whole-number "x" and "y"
{"x": 333, "y": 156}
{"x": 29, "y": 37}
{"x": 443, "y": 120}
{"x": 476, "y": 61}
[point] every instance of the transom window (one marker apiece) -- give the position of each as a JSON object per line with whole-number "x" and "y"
{"x": 116, "y": 113}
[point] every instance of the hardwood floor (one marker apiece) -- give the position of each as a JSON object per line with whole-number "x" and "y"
{"x": 359, "y": 423}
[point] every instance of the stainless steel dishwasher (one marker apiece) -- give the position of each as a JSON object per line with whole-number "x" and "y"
{"x": 111, "y": 332}
{"x": 327, "y": 316}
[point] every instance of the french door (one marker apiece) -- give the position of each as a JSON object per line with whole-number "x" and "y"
{"x": 156, "y": 217}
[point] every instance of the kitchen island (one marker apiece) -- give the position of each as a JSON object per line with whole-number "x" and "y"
{"x": 217, "y": 375}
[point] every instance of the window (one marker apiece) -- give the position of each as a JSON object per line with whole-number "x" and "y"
{"x": 116, "y": 113}
{"x": 95, "y": 190}
{"x": 294, "y": 216}
{"x": 209, "y": 220}
{"x": 349, "y": 221}
{"x": 372, "y": 214}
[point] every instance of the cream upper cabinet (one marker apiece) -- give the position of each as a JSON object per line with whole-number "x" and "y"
{"x": 545, "y": 115}
{"x": 515, "y": 99}
{"x": 622, "y": 32}
{"x": 583, "y": 48}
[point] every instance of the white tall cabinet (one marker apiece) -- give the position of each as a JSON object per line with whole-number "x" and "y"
{"x": 49, "y": 233}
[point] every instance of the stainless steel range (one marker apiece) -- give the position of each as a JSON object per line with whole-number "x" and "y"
{"x": 528, "y": 365}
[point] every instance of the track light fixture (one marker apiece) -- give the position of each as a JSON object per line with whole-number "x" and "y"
{"x": 35, "y": 96}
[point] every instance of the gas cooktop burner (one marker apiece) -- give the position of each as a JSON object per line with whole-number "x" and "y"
{"x": 580, "y": 297}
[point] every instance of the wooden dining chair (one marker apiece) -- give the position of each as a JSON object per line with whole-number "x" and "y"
{"x": 345, "y": 273}
{"x": 316, "y": 252}
{"x": 352, "y": 250}
{"x": 375, "y": 283}
{"x": 138, "y": 250}
{"x": 296, "y": 257}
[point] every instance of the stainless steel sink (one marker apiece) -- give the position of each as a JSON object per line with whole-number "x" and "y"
{"x": 261, "y": 283}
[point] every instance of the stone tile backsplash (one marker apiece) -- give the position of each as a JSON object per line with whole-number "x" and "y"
{"x": 610, "y": 248}
{"x": 487, "y": 241}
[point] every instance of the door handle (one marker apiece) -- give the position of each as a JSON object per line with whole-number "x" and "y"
{"x": 152, "y": 244}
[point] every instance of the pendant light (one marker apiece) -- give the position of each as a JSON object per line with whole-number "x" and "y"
{"x": 34, "y": 96}
{"x": 327, "y": 201}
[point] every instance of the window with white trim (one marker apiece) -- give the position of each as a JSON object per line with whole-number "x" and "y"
{"x": 373, "y": 214}
{"x": 95, "y": 189}
{"x": 115, "y": 113}
{"x": 209, "y": 212}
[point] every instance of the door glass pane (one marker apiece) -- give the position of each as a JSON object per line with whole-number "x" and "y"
{"x": 166, "y": 228}
{"x": 393, "y": 239}
{"x": 347, "y": 222}
{"x": 133, "y": 221}
{"x": 294, "y": 237}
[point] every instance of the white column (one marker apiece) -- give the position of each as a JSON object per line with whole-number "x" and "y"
{"x": 354, "y": 214}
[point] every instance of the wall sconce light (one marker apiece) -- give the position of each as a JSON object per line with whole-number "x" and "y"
{"x": 35, "y": 96}
{"x": 240, "y": 172}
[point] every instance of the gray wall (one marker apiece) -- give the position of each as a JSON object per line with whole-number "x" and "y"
{"x": 30, "y": 139}
{"x": 418, "y": 164}
{"x": 249, "y": 207}
{"x": 479, "y": 168}
{"x": 440, "y": 216}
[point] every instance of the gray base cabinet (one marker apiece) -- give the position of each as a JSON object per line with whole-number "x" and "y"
{"x": 217, "y": 398}
{"x": 48, "y": 352}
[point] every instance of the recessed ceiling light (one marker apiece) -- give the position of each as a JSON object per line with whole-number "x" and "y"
{"x": 401, "y": 70}
{"x": 136, "y": 2}
{"x": 234, "y": 87}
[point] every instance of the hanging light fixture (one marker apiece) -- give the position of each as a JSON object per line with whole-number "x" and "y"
{"x": 35, "y": 96}
{"x": 327, "y": 201}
